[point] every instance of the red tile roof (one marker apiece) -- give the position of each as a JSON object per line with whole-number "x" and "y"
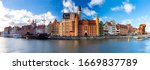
{"x": 109, "y": 23}
{"x": 87, "y": 22}
{"x": 118, "y": 26}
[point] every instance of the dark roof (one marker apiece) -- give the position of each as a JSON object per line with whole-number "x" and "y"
{"x": 66, "y": 15}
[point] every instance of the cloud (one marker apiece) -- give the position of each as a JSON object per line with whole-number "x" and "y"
{"x": 10, "y": 17}
{"x": 45, "y": 18}
{"x": 89, "y": 12}
{"x": 127, "y": 21}
{"x": 69, "y": 6}
{"x": 95, "y": 2}
{"x": 144, "y": 20}
{"x": 127, "y": 7}
{"x": 19, "y": 16}
{"x": 106, "y": 18}
{"x": 116, "y": 8}
{"x": 147, "y": 27}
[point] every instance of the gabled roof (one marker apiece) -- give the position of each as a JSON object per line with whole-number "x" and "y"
{"x": 118, "y": 26}
{"x": 108, "y": 23}
{"x": 55, "y": 21}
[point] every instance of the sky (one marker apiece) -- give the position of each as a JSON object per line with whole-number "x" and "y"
{"x": 21, "y": 12}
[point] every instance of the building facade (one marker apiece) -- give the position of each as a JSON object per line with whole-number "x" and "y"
{"x": 142, "y": 29}
{"x": 122, "y": 29}
{"x": 55, "y": 28}
{"x": 110, "y": 28}
{"x": 72, "y": 25}
{"x": 87, "y": 28}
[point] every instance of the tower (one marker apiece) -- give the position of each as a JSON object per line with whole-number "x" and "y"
{"x": 77, "y": 18}
{"x": 97, "y": 26}
{"x": 79, "y": 11}
{"x": 76, "y": 25}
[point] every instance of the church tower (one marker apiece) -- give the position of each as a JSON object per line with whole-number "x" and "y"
{"x": 79, "y": 12}
{"x": 97, "y": 26}
{"x": 77, "y": 18}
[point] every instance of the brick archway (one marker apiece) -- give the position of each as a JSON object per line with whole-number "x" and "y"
{"x": 85, "y": 34}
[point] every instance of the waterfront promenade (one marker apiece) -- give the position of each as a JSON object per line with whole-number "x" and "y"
{"x": 98, "y": 37}
{"x": 92, "y": 38}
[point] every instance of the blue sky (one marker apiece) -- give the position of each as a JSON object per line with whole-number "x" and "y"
{"x": 122, "y": 11}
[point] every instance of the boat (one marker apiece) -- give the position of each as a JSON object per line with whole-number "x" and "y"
{"x": 30, "y": 37}
{"x": 42, "y": 36}
{"x": 38, "y": 36}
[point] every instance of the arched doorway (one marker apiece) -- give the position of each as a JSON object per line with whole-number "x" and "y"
{"x": 85, "y": 34}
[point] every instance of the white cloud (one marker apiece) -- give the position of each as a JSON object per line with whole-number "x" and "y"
{"x": 147, "y": 27}
{"x": 143, "y": 19}
{"x": 9, "y": 17}
{"x": 127, "y": 21}
{"x": 46, "y": 17}
{"x": 127, "y": 7}
{"x": 89, "y": 12}
{"x": 106, "y": 18}
{"x": 116, "y": 8}
{"x": 20, "y": 14}
{"x": 95, "y": 2}
{"x": 69, "y": 6}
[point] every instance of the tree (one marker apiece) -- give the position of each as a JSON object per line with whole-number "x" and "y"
{"x": 101, "y": 32}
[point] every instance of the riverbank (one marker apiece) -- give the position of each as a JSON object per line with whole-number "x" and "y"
{"x": 90, "y": 38}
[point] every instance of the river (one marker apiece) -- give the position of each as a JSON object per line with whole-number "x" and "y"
{"x": 18, "y": 45}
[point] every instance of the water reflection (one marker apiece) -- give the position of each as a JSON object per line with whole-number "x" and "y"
{"x": 12, "y": 45}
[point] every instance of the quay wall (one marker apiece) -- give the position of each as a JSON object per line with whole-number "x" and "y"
{"x": 90, "y": 38}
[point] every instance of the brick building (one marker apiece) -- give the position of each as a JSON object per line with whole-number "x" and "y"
{"x": 72, "y": 25}
{"x": 122, "y": 29}
{"x": 88, "y": 27}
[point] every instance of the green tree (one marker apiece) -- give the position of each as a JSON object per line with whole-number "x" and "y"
{"x": 101, "y": 31}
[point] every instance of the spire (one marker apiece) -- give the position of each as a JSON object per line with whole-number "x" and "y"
{"x": 79, "y": 12}
{"x": 55, "y": 20}
{"x": 79, "y": 8}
